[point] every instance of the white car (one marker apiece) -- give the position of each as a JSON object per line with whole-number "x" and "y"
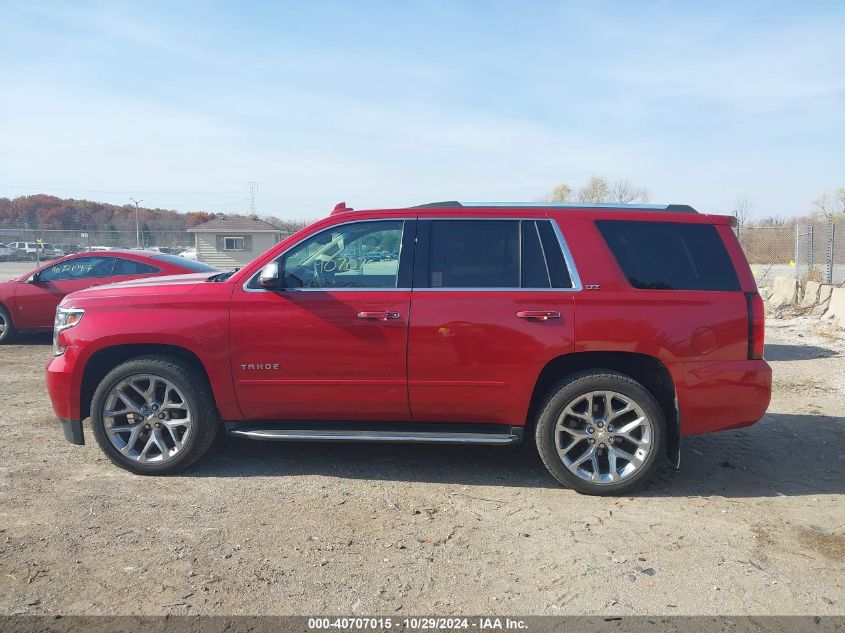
{"x": 34, "y": 250}
{"x": 191, "y": 253}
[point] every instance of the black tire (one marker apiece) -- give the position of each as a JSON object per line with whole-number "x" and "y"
{"x": 571, "y": 391}
{"x": 8, "y": 332}
{"x": 191, "y": 382}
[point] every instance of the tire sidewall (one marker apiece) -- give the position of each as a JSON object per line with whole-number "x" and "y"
{"x": 9, "y": 334}
{"x": 577, "y": 386}
{"x": 186, "y": 455}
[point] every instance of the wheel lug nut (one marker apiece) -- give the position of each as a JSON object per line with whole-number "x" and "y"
{"x": 161, "y": 416}
{"x": 591, "y": 430}
{"x": 158, "y": 425}
{"x": 592, "y": 441}
{"x": 610, "y": 428}
{"x": 601, "y": 445}
{"x": 599, "y": 424}
{"x": 146, "y": 426}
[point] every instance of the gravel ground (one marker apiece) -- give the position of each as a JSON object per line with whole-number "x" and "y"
{"x": 752, "y": 523}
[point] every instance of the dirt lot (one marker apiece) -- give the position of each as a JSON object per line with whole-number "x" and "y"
{"x": 754, "y": 521}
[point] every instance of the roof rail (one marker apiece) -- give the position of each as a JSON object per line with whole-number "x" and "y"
{"x": 673, "y": 208}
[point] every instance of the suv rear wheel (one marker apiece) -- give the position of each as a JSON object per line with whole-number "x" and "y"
{"x": 154, "y": 415}
{"x": 600, "y": 432}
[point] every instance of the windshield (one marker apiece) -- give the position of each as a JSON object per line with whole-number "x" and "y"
{"x": 184, "y": 262}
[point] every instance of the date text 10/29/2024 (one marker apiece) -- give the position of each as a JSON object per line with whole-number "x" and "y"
{"x": 417, "y": 624}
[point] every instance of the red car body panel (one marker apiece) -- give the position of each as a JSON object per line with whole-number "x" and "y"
{"x": 33, "y": 305}
{"x": 452, "y": 356}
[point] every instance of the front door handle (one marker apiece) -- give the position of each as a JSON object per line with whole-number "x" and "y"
{"x": 538, "y": 315}
{"x": 380, "y": 315}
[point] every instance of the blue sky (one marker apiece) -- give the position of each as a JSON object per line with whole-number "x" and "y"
{"x": 396, "y": 103}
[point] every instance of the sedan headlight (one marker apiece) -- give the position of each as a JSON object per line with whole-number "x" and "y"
{"x": 66, "y": 318}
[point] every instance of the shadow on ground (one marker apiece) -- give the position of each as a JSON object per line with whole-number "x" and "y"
{"x": 32, "y": 338}
{"x": 779, "y": 352}
{"x": 783, "y": 455}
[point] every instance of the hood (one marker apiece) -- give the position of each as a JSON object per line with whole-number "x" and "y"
{"x": 168, "y": 284}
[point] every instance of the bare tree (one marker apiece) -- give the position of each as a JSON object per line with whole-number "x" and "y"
{"x": 561, "y": 193}
{"x": 596, "y": 190}
{"x": 742, "y": 209}
{"x": 624, "y": 192}
{"x": 830, "y": 205}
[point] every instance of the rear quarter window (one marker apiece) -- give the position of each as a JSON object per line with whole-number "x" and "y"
{"x": 670, "y": 255}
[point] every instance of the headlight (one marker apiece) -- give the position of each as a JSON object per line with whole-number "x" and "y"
{"x": 66, "y": 318}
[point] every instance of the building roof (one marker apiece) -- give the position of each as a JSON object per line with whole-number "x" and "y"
{"x": 234, "y": 225}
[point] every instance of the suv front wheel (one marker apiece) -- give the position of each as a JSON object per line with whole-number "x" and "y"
{"x": 154, "y": 415}
{"x": 600, "y": 432}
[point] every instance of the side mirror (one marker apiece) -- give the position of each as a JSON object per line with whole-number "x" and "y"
{"x": 32, "y": 279}
{"x": 270, "y": 277}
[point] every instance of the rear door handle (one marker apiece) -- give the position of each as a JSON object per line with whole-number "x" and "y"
{"x": 380, "y": 315}
{"x": 538, "y": 315}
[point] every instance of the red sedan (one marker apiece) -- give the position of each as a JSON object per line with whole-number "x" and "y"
{"x": 29, "y": 302}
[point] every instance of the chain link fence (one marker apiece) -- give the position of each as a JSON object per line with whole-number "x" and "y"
{"x": 74, "y": 241}
{"x": 813, "y": 250}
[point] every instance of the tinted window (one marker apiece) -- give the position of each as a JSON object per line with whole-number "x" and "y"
{"x": 184, "y": 262}
{"x": 356, "y": 255}
{"x": 558, "y": 270}
{"x": 543, "y": 265}
{"x": 129, "y": 267}
{"x": 474, "y": 254}
{"x": 669, "y": 255}
{"x": 79, "y": 268}
{"x": 535, "y": 273}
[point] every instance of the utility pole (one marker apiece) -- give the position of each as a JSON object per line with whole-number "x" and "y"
{"x": 137, "y": 223}
{"x": 253, "y": 189}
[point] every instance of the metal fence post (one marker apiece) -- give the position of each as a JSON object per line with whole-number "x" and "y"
{"x": 810, "y": 245}
{"x": 831, "y": 236}
{"x": 797, "y": 251}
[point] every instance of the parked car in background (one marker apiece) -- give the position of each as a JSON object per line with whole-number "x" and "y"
{"x": 29, "y": 302}
{"x": 70, "y": 249}
{"x": 11, "y": 254}
{"x": 190, "y": 253}
{"x": 35, "y": 251}
{"x": 606, "y": 332}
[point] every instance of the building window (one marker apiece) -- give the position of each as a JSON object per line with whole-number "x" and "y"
{"x": 233, "y": 243}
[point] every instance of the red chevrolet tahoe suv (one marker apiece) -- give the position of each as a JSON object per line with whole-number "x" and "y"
{"x": 604, "y": 332}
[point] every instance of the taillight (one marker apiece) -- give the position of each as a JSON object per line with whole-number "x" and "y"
{"x": 756, "y": 325}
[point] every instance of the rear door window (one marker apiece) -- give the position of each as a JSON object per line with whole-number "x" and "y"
{"x": 670, "y": 255}
{"x": 479, "y": 254}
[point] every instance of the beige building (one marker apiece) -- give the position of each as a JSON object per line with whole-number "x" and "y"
{"x": 231, "y": 243}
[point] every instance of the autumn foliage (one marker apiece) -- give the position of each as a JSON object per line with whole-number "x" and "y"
{"x": 43, "y": 212}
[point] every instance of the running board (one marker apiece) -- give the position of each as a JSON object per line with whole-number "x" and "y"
{"x": 394, "y": 433}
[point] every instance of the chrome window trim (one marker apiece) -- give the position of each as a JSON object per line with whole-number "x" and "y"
{"x": 567, "y": 258}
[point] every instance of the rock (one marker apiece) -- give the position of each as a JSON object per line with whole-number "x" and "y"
{"x": 649, "y": 571}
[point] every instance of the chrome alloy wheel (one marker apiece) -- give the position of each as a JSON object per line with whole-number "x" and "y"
{"x": 603, "y": 437}
{"x": 147, "y": 418}
{"x": 4, "y": 327}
